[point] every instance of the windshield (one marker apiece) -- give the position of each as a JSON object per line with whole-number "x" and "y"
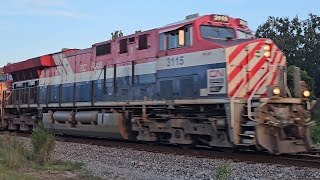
{"x": 244, "y": 35}
{"x": 216, "y": 32}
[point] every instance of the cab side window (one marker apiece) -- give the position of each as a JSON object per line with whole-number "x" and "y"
{"x": 162, "y": 42}
{"x": 173, "y": 40}
{"x": 170, "y": 40}
{"x": 187, "y": 36}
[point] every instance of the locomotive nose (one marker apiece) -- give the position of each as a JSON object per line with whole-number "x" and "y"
{"x": 267, "y": 121}
{"x": 249, "y": 63}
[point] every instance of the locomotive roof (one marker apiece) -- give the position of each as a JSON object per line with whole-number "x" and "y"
{"x": 181, "y": 22}
{"x": 36, "y": 62}
{"x": 185, "y": 21}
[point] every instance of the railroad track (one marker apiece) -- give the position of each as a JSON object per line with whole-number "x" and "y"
{"x": 315, "y": 152}
{"x": 311, "y": 159}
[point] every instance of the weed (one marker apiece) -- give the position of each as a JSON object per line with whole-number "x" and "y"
{"x": 222, "y": 171}
{"x": 43, "y": 143}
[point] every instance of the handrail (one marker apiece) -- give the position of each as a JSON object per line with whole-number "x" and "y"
{"x": 235, "y": 95}
{"x": 274, "y": 70}
{"x": 286, "y": 85}
{"x": 253, "y": 93}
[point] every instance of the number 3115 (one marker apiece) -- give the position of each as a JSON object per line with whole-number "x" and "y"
{"x": 175, "y": 61}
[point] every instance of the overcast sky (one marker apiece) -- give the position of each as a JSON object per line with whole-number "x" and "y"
{"x": 30, "y": 28}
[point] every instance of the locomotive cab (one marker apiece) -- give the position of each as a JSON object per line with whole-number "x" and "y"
{"x": 5, "y": 86}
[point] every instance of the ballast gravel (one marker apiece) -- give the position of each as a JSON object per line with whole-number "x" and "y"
{"x": 126, "y": 163}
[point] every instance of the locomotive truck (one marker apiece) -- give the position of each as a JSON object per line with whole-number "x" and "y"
{"x": 205, "y": 80}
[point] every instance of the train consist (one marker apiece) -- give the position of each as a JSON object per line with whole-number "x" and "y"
{"x": 203, "y": 81}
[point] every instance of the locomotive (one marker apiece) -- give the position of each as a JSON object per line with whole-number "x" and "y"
{"x": 205, "y": 80}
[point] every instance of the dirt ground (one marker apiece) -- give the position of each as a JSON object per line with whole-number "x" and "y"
{"x": 56, "y": 175}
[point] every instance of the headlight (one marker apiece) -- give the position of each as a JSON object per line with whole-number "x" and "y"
{"x": 276, "y": 91}
{"x": 306, "y": 93}
{"x": 267, "y": 47}
{"x": 267, "y": 54}
{"x": 267, "y": 50}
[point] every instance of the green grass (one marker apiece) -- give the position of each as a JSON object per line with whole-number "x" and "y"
{"x": 64, "y": 166}
{"x": 14, "y": 157}
{"x": 12, "y": 152}
{"x": 7, "y": 173}
{"x": 58, "y": 166}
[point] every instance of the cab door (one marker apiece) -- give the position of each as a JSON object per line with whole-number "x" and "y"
{"x": 172, "y": 77}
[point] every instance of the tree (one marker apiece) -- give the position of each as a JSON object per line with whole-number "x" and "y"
{"x": 300, "y": 42}
{"x": 304, "y": 77}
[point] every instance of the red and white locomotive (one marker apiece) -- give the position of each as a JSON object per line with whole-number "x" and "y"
{"x": 201, "y": 81}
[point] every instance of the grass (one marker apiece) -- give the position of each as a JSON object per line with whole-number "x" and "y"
{"x": 12, "y": 153}
{"x": 58, "y": 166}
{"x": 63, "y": 166}
{"x": 222, "y": 171}
{"x": 7, "y": 173}
{"x": 13, "y": 156}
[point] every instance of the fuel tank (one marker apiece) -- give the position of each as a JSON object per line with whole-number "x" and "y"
{"x": 87, "y": 123}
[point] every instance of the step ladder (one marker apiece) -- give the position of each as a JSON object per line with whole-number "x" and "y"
{"x": 248, "y": 124}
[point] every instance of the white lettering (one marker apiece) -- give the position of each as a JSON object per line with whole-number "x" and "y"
{"x": 83, "y": 67}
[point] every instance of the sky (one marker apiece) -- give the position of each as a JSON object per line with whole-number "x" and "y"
{"x": 30, "y": 28}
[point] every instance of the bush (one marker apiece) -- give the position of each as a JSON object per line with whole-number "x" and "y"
{"x": 12, "y": 152}
{"x": 43, "y": 143}
{"x": 222, "y": 171}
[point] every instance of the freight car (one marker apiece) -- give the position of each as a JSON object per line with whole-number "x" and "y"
{"x": 204, "y": 80}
